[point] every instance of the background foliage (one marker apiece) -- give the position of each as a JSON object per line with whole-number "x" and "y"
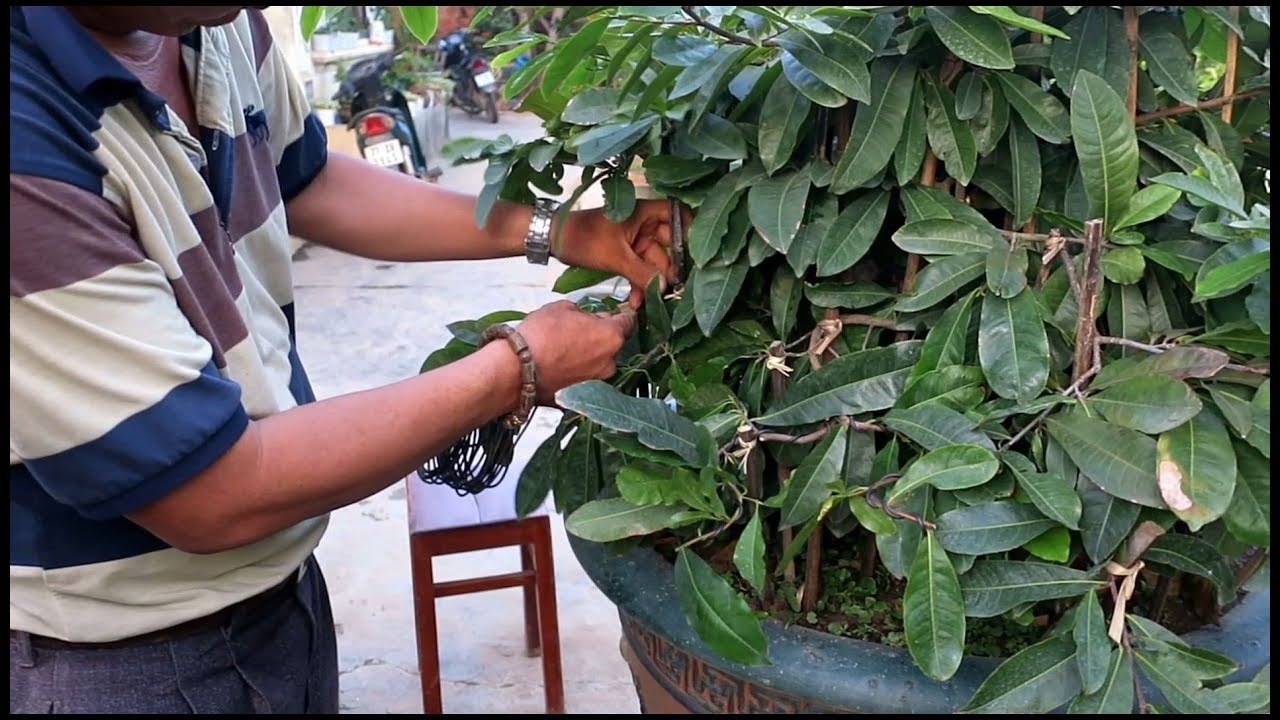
{"x": 981, "y": 295}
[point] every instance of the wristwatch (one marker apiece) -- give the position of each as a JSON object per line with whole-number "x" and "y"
{"x": 537, "y": 243}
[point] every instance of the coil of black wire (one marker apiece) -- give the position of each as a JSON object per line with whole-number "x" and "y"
{"x": 475, "y": 462}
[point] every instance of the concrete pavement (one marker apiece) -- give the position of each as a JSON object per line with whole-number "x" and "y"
{"x": 363, "y": 324}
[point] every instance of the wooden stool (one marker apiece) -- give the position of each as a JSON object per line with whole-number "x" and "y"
{"x": 442, "y": 523}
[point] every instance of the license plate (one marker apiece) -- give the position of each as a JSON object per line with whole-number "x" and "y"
{"x": 484, "y": 80}
{"x": 386, "y": 154}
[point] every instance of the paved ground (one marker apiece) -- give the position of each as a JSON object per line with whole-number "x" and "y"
{"x": 364, "y": 324}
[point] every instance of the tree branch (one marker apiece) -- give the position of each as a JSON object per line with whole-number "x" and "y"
{"x": 731, "y": 37}
{"x": 1206, "y": 105}
{"x": 1161, "y": 348}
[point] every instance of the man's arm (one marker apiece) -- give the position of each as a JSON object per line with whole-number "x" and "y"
{"x": 366, "y": 210}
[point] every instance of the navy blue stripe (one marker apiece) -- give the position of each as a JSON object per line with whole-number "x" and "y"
{"x": 148, "y": 455}
{"x": 299, "y": 384}
{"x": 44, "y": 533}
{"x": 303, "y": 159}
{"x": 220, "y": 150}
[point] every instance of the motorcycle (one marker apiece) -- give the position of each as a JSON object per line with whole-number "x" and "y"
{"x": 380, "y": 117}
{"x": 475, "y": 87}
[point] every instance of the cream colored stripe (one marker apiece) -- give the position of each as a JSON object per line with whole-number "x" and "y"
{"x": 123, "y": 598}
{"x": 265, "y": 253}
{"x": 94, "y": 353}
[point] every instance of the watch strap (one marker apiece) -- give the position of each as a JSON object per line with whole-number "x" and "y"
{"x": 537, "y": 242}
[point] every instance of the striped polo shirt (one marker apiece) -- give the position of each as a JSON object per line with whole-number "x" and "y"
{"x": 151, "y": 315}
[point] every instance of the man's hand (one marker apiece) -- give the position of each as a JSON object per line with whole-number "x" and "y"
{"x": 635, "y": 249}
{"x": 570, "y": 346}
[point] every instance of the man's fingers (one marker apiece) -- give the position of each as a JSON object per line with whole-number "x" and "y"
{"x": 624, "y": 319}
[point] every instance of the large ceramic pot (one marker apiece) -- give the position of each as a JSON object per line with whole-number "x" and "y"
{"x": 813, "y": 672}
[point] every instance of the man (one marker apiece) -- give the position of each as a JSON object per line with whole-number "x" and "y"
{"x": 170, "y": 473}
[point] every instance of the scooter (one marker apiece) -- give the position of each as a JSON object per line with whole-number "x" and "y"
{"x": 381, "y": 119}
{"x": 475, "y": 87}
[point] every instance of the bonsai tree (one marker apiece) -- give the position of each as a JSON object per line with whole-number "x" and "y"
{"x": 971, "y": 351}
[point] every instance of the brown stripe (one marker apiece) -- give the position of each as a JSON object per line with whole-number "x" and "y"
{"x": 216, "y": 245}
{"x": 208, "y": 303}
{"x": 261, "y": 32}
{"x": 60, "y": 234}
{"x": 256, "y": 192}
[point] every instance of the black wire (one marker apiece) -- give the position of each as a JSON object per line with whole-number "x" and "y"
{"x": 475, "y": 462}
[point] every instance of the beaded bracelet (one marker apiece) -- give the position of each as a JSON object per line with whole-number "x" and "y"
{"x": 529, "y": 373}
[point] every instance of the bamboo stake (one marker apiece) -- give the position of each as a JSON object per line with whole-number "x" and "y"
{"x": 1233, "y": 57}
{"x": 812, "y": 571}
{"x": 1090, "y": 285}
{"x": 1131, "y": 34}
{"x": 778, "y": 386}
{"x": 1177, "y": 110}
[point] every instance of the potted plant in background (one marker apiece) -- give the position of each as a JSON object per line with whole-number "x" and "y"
{"x": 964, "y": 400}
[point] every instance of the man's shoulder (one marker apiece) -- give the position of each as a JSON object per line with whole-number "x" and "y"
{"x": 51, "y": 129}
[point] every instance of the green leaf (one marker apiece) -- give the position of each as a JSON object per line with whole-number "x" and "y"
{"x": 930, "y": 203}
{"x": 640, "y": 485}
{"x": 653, "y": 422}
{"x": 976, "y": 39}
{"x": 748, "y": 554}
{"x": 992, "y": 120}
{"x": 959, "y": 387}
{"x": 1169, "y": 63}
{"x": 810, "y": 85}
{"x": 835, "y": 61}
{"x": 683, "y": 50}
{"x": 712, "y": 221}
{"x": 657, "y": 316}
{"x": 312, "y": 16}
{"x": 577, "y": 473}
{"x": 854, "y": 383}
{"x": 567, "y": 55}
{"x": 948, "y": 468}
{"x": 909, "y": 152}
{"x": 991, "y": 527}
{"x": 707, "y": 76}
{"x": 939, "y": 279}
{"x": 1222, "y": 186}
{"x": 1013, "y": 346}
{"x": 870, "y": 518}
{"x": 1149, "y": 203}
{"x": 1235, "y": 404}
{"x": 538, "y": 476}
{"x": 1024, "y": 154}
{"x": 1106, "y": 146}
{"x": 1151, "y": 403}
{"x": 933, "y": 612}
{"x": 1248, "y": 517}
{"x": 715, "y": 287}
{"x": 852, "y": 233}
{"x": 1197, "y": 469}
{"x": 573, "y": 279}
{"x": 1115, "y": 697}
{"x": 592, "y": 106}
{"x": 615, "y": 519}
{"x": 1184, "y": 362}
{"x": 992, "y": 587}
{"x": 1193, "y": 555}
{"x": 877, "y": 124}
{"x": 1009, "y": 16}
{"x": 1007, "y": 270}
{"x": 718, "y": 138}
{"x": 1232, "y": 267}
{"x": 1036, "y": 680}
{"x": 947, "y": 237}
{"x": 1183, "y": 693}
{"x": 719, "y": 615}
{"x": 1127, "y": 313}
{"x": 1258, "y": 303}
{"x": 812, "y": 483}
{"x": 947, "y": 341}
{"x": 421, "y": 21}
{"x": 1123, "y": 265}
{"x": 777, "y": 207}
{"x": 782, "y": 116}
{"x": 951, "y": 138}
{"x": 1242, "y": 336}
{"x": 1047, "y": 491}
{"x": 605, "y": 141}
{"x": 1042, "y": 112}
{"x": 1260, "y": 435}
{"x": 1196, "y": 662}
{"x": 784, "y": 301}
{"x": 933, "y": 426}
{"x": 841, "y": 295}
{"x": 619, "y": 197}
{"x": 677, "y": 171}
{"x": 1118, "y": 460}
{"x": 1105, "y": 522}
{"x": 1244, "y": 697}
{"x": 968, "y": 96}
{"x": 1097, "y": 44}
{"x": 1053, "y": 545}
{"x": 1093, "y": 647}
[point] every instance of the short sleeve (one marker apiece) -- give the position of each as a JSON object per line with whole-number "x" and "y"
{"x": 298, "y": 138}
{"x": 114, "y": 398}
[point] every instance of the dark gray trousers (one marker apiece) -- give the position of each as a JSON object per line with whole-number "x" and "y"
{"x": 281, "y": 657}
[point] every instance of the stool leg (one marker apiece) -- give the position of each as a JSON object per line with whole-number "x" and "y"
{"x": 547, "y": 618}
{"x": 424, "y": 611}
{"x": 533, "y": 644}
